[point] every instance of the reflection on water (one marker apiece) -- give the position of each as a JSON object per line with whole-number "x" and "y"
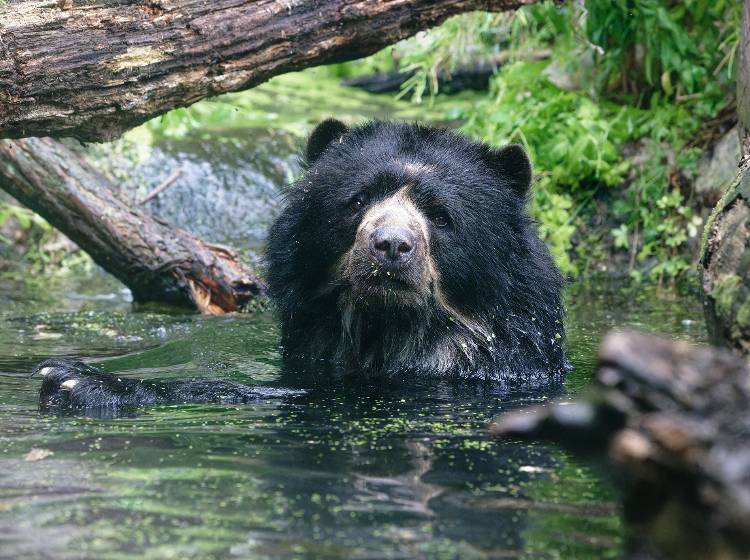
{"x": 341, "y": 473}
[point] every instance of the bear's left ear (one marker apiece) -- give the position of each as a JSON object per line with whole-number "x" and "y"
{"x": 325, "y": 133}
{"x": 512, "y": 163}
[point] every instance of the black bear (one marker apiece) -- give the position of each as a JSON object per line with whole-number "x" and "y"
{"x": 406, "y": 249}
{"x": 403, "y": 250}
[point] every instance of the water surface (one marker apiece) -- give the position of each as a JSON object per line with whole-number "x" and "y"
{"x": 345, "y": 473}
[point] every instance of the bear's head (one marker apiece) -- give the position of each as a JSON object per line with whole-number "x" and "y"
{"x": 398, "y": 234}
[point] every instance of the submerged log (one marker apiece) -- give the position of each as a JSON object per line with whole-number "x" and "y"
{"x": 155, "y": 260}
{"x": 674, "y": 421}
{"x": 95, "y": 69}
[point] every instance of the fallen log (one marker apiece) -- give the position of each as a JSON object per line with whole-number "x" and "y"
{"x": 95, "y": 69}
{"x": 673, "y": 420}
{"x": 155, "y": 260}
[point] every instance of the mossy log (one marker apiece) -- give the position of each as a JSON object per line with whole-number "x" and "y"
{"x": 725, "y": 255}
{"x": 725, "y": 265}
{"x": 156, "y": 261}
{"x": 95, "y": 68}
{"x": 671, "y": 421}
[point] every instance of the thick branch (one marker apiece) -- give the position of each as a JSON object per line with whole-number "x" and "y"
{"x": 155, "y": 260}
{"x": 94, "y": 69}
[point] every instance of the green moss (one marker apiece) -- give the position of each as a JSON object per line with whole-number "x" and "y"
{"x": 725, "y": 294}
{"x": 743, "y": 314}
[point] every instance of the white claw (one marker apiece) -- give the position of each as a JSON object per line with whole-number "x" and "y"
{"x": 69, "y": 384}
{"x": 45, "y": 371}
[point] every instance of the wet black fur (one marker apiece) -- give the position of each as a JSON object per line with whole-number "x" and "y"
{"x": 494, "y": 267}
{"x": 98, "y": 391}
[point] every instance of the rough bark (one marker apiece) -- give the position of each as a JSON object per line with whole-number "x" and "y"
{"x": 672, "y": 421}
{"x": 155, "y": 260}
{"x": 95, "y": 68}
{"x": 743, "y": 81}
{"x": 725, "y": 256}
{"x": 726, "y": 267}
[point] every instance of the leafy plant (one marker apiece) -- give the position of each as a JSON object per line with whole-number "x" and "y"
{"x": 573, "y": 142}
{"x": 672, "y": 48}
{"x": 41, "y": 247}
{"x": 668, "y": 67}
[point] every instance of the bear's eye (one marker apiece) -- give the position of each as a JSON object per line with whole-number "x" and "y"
{"x": 356, "y": 203}
{"x": 441, "y": 220}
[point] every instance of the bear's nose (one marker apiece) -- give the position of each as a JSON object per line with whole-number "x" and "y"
{"x": 392, "y": 245}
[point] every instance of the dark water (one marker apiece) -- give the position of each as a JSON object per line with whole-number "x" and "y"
{"x": 342, "y": 474}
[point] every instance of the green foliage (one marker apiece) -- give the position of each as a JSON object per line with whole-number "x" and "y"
{"x": 380, "y": 62}
{"x": 25, "y": 218}
{"x": 525, "y": 107}
{"x": 656, "y": 222}
{"x": 573, "y": 142}
{"x": 292, "y": 102}
{"x": 643, "y": 77}
{"x": 41, "y": 248}
{"x": 553, "y": 211}
{"x": 465, "y": 38}
{"x": 649, "y": 49}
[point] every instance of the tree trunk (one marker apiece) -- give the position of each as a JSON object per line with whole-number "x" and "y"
{"x": 155, "y": 260}
{"x": 725, "y": 255}
{"x": 672, "y": 422}
{"x": 95, "y": 68}
{"x": 726, "y": 267}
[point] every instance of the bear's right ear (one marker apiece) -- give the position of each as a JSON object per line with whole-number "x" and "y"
{"x": 513, "y": 163}
{"x": 325, "y": 133}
